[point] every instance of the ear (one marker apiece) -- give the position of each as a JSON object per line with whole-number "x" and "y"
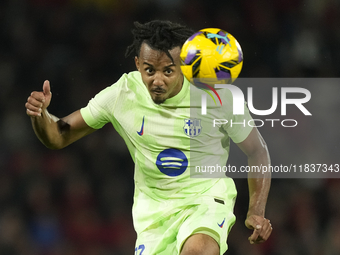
{"x": 137, "y": 63}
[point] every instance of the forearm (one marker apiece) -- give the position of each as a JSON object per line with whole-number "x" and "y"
{"x": 53, "y": 132}
{"x": 47, "y": 129}
{"x": 259, "y": 182}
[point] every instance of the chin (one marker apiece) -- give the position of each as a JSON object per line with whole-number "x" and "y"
{"x": 158, "y": 100}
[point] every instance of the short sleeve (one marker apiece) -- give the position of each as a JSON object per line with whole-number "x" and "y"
{"x": 240, "y": 126}
{"x": 100, "y": 109}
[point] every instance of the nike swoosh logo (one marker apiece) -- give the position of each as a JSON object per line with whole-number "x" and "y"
{"x": 221, "y": 225}
{"x": 140, "y": 133}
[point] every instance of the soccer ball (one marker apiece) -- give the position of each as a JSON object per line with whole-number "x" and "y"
{"x": 211, "y": 56}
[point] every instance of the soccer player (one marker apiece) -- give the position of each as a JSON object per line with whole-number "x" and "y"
{"x": 172, "y": 212}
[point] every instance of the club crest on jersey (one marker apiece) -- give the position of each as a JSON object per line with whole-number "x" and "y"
{"x": 192, "y": 127}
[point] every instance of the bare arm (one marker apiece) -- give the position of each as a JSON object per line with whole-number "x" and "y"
{"x": 256, "y": 150}
{"x": 53, "y": 132}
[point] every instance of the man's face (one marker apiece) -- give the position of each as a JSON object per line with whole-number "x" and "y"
{"x": 161, "y": 76}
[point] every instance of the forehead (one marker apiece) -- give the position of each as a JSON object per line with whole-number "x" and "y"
{"x": 151, "y": 55}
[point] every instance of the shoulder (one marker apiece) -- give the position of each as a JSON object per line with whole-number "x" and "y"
{"x": 133, "y": 78}
{"x": 130, "y": 81}
{"x": 127, "y": 81}
{"x": 226, "y": 92}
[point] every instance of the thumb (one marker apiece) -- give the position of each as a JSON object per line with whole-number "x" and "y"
{"x": 47, "y": 88}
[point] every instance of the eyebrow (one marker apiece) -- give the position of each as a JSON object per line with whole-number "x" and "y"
{"x": 145, "y": 63}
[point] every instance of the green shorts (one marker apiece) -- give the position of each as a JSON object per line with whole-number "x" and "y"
{"x": 163, "y": 232}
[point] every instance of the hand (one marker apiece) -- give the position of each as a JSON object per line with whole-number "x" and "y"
{"x": 262, "y": 228}
{"x": 39, "y": 101}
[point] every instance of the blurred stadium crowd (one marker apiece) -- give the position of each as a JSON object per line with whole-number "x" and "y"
{"x": 78, "y": 200}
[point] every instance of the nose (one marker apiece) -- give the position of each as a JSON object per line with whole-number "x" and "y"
{"x": 158, "y": 79}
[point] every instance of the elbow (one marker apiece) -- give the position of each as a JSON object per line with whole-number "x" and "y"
{"x": 53, "y": 145}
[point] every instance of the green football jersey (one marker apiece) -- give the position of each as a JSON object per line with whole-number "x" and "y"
{"x": 168, "y": 141}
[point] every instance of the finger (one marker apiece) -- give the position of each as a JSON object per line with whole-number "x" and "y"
{"x": 35, "y": 101}
{"x": 32, "y": 107}
{"x": 47, "y": 88}
{"x": 253, "y": 224}
{"x": 267, "y": 234}
{"x": 39, "y": 96}
{"x": 264, "y": 228}
{"x": 32, "y": 113}
{"x": 252, "y": 239}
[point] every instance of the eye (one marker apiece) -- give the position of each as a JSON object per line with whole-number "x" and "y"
{"x": 149, "y": 70}
{"x": 168, "y": 71}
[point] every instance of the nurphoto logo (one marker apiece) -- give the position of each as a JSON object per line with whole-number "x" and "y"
{"x": 239, "y": 105}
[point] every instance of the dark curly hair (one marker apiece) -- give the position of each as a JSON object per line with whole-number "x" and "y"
{"x": 159, "y": 35}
